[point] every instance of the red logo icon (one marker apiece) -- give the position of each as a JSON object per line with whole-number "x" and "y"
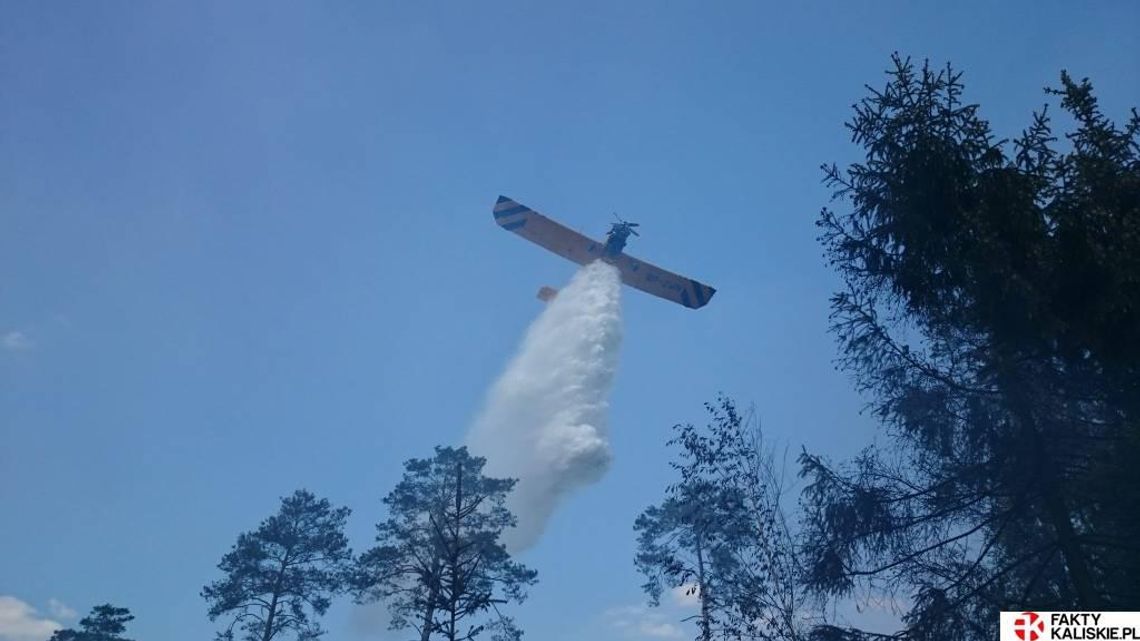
{"x": 1029, "y": 626}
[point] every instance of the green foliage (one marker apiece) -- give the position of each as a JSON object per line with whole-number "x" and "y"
{"x": 439, "y": 564}
{"x": 992, "y": 311}
{"x": 105, "y": 623}
{"x": 284, "y": 572}
{"x": 720, "y": 534}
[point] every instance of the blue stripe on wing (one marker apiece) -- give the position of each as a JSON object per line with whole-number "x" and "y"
{"x": 518, "y": 209}
{"x": 699, "y": 291}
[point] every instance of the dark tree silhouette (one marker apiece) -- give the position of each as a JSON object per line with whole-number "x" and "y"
{"x": 105, "y": 623}
{"x": 992, "y": 313}
{"x": 439, "y": 564}
{"x": 287, "y": 568}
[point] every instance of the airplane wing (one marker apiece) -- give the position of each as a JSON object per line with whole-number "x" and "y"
{"x": 544, "y": 232}
{"x": 577, "y": 247}
{"x": 654, "y": 280}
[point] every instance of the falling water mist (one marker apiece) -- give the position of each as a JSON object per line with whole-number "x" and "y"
{"x": 544, "y": 422}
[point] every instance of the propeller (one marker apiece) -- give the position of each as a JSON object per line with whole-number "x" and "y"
{"x": 628, "y": 225}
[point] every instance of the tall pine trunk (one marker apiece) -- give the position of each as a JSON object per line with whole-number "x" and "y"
{"x": 267, "y": 634}
{"x": 433, "y": 594}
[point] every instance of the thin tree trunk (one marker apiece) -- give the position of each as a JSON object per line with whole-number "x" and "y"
{"x": 1056, "y": 512}
{"x": 1071, "y": 550}
{"x": 456, "y": 588}
{"x": 433, "y": 594}
{"x": 429, "y": 614}
{"x": 706, "y": 628}
{"x": 267, "y": 634}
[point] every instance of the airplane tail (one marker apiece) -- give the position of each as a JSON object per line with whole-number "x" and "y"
{"x": 547, "y": 294}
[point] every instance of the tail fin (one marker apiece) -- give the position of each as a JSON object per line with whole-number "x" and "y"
{"x": 547, "y": 294}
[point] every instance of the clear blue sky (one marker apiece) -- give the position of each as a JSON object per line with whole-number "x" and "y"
{"x": 247, "y": 247}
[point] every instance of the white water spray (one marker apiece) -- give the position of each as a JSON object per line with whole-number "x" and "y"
{"x": 544, "y": 422}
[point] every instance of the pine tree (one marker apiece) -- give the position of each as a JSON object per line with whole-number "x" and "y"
{"x": 439, "y": 565}
{"x": 282, "y": 575}
{"x": 105, "y": 623}
{"x": 992, "y": 313}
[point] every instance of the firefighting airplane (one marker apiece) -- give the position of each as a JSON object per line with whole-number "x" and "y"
{"x": 581, "y": 249}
